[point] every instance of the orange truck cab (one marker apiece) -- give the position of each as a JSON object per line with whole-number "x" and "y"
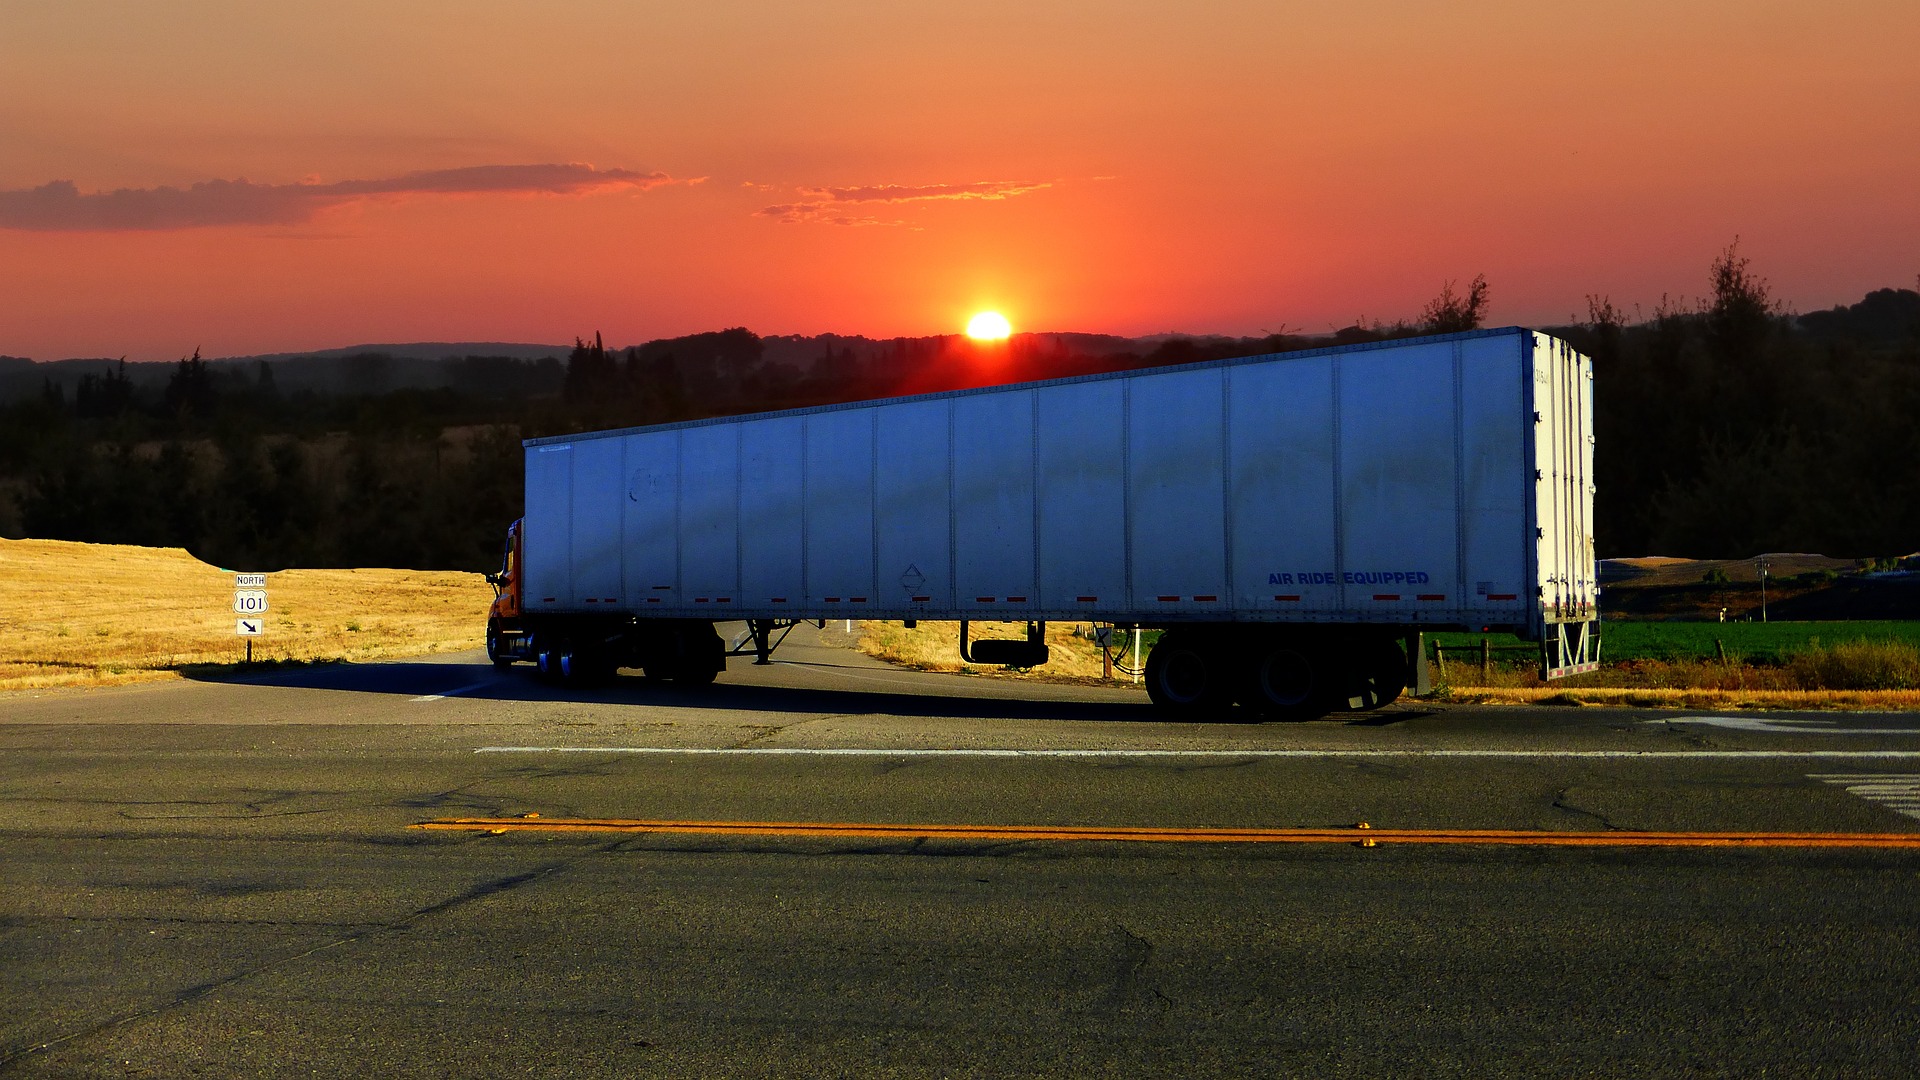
{"x": 505, "y": 635}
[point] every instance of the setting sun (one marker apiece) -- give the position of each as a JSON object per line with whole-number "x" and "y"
{"x": 988, "y": 326}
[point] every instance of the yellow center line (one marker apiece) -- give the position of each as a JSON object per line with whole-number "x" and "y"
{"x": 1365, "y": 836}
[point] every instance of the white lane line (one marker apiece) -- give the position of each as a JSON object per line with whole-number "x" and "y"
{"x": 1781, "y": 726}
{"x": 777, "y": 751}
{"x": 1899, "y": 792}
{"x": 452, "y": 693}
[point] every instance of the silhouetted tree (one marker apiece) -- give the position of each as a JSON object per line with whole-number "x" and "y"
{"x": 1449, "y": 313}
{"x": 190, "y": 393}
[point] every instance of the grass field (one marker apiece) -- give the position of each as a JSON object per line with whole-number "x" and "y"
{"x": 97, "y": 614}
{"x": 1758, "y": 643}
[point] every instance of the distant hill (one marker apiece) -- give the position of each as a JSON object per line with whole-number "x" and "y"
{"x": 356, "y": 368}
{"x": 519, "y": 368}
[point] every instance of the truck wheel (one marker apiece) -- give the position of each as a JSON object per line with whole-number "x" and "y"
{"x": 1283, "y": 681}
{"x": 1186, "y": 679}
{"x": 500, "y": 663}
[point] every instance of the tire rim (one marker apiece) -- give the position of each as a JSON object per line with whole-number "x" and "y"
{"x": 1286, "y": 677}
{"x": 1185, "y": 677}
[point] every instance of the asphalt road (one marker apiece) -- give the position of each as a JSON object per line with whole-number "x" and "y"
{"x": 221, "y": 879}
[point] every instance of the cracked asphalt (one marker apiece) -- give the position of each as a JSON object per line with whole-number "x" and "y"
{"x": 218, "y": 879}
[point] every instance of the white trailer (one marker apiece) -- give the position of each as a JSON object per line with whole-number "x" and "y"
{"x": 1288, "y": 520}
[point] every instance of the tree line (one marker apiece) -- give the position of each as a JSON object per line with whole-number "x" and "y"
{"x": 1725, "y": 427}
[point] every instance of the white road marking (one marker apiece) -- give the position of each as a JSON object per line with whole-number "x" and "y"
{"x": 1899, "y": 792}
{"x": 830, "y": 751}
{"x": 453, "y": 693}
{"x": 1773, "y": 726}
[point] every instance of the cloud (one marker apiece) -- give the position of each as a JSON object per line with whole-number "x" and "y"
{"x": 823, "y": 205}
{"x": 61, "y": 207}
{"x": 819, "y": 214}
{"x": 899, "y": 193}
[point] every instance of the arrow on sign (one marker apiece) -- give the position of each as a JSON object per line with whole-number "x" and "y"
{"x": 250, "y": 627}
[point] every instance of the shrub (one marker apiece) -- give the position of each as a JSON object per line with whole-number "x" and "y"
{"x": 1857, "y": 665}
{"x": 1717, "y": 576}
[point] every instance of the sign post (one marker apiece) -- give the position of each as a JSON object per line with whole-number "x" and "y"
{"x": 250, "y": 603}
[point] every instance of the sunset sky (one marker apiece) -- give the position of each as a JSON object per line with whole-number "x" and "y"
{"x": 245, "y": 177}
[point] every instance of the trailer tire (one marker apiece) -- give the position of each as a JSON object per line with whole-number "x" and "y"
{"x": 1186, "y": 679}
{"x": 1377, "y": 674}
{"x": 1283, "y": 680}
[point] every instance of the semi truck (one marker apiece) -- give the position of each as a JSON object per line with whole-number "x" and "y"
{"x": 1291, "y": 524}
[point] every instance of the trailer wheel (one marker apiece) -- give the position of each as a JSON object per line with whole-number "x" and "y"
{"x": 1186, "y": 679}
{"x": 1284, "y": 681}
{"x": 547, "y": 660}
{"x": 1378, "y": 674}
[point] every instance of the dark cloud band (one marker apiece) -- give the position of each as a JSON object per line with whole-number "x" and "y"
{"x": 61, "y": 207}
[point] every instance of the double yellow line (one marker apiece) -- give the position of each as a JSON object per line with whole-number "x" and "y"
{"x": 1362, "y": 835}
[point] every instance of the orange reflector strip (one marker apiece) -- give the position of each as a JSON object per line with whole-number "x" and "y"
{"x": 1373, "y": 837}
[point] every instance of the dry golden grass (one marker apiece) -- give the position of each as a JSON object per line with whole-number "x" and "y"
{"x": 96, "y": 614}
{"x": 935, "y": 646}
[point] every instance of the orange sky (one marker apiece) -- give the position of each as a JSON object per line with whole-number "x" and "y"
{"x": 888, "y": 168}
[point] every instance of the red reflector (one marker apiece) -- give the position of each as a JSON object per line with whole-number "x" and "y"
{"x": 983, "y": 599}
{"x": 653, "y": 599}
{"x": 1169, "y": 599}
{"x": 1206, "y": 599}
{"x": 1502, "y": 596}
{"x": 1288, "y": 597}
{"x": 724, "y": 600}
{"x": 923, "y": 599}
{"x": 591, "y": 600}
{"x": 549, "y": 600}
{"x": 779, "y": 599}
{"x": 1087, "y": 599}
{"x": 1433, "y": 596}
{"x": 663, "y": 586}
{"x": 856, "y": 599}
{"x": 1016, "y": 599}
{"x": 833, "y": 599}
{"x": 1386, "y": 596}
{"x": 699, "y": 599}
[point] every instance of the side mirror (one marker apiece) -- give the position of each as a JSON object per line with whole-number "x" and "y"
{"x": 493, "y": 579}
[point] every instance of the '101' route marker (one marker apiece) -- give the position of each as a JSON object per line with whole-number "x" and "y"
{"x": 250, "y": 603}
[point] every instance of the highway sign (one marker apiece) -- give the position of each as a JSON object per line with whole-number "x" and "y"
{"x": 249, "y": 581}
{"x": 250, "y": 602}
{"x": 250, "y": 628}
